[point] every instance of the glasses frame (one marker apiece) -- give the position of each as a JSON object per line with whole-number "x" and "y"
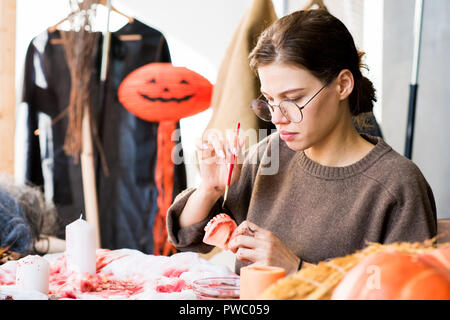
{"x": 272, "y": 107}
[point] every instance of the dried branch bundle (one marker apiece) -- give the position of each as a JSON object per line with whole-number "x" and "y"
{"x": 81, "y": 48}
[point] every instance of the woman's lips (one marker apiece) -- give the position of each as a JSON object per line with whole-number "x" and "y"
{"x": 287, "y": 135}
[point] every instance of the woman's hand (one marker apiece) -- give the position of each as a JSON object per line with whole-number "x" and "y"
{"x": 253, "y": 243}
{"x": 214, "y": 156}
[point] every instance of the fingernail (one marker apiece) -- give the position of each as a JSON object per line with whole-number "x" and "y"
{"x": 221, "y": 154}
{"x": 204, "y": 146}
{"x": 234, "y": 151}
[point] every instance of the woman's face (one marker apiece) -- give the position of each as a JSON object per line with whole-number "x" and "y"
{"x": 280, "y": 81}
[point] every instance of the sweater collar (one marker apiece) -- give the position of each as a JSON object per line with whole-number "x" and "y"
{"x": 336, "y": 173}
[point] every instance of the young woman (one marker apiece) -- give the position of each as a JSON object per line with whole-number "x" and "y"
{"x": 333, "y": 189}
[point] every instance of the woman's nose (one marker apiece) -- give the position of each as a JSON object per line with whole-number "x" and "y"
{"x": 278, "y": 117}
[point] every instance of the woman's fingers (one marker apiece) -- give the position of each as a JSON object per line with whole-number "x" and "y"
{"x": 235, "y": 143}
{"x": 251, "y": 229}
{"x": 218, "y": 146}
{"x": 214, "y": 145}
{"x": 246, "y": 255}
{"x": 208, "y": 151}
{"x": 232, "y": 142}
{"x": 201, "y": 145}
{"x": 204, "y": 149}
{"x": 241, "y": 141}
{"x": 243, "y": 240}
{"x": 213, "y": 153}
{"x": 250, "y": 242}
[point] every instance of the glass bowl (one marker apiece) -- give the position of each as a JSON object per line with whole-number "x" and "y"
{"x": 217, "y": 288}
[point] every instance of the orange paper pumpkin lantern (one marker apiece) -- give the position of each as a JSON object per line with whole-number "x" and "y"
{"x": 162, "y": 92}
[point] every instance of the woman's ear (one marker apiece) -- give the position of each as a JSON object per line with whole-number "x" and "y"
{"x": 345, "y": 83}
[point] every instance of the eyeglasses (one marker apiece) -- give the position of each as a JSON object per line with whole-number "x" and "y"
{"x": 288, "y": 108}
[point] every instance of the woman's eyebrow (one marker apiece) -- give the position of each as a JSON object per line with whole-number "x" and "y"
{"x": 284, "y": 92}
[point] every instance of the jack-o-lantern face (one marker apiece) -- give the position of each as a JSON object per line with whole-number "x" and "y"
{"x": 161, "y": 92}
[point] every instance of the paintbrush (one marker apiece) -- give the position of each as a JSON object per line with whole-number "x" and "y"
{"x": 230, "y": 169}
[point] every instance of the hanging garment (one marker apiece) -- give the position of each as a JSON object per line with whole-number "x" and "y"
{"x": 127, "y": 196}
{"x": 237, "y": 85}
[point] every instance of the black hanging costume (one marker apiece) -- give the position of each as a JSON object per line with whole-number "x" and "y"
{"x": 127, "y": 196}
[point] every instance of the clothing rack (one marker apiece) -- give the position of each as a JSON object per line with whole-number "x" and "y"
{"x": 418, "y": 17}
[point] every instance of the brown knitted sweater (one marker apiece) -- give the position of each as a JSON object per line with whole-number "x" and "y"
{"x": 321, "y": 212}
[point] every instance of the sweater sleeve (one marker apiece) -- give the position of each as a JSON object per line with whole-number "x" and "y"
{"x": 413, "y": 216}
{"x": 189, "y": 238}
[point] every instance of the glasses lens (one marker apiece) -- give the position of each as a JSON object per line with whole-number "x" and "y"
{"x": 261, "y": 109}
{"x": 291, "y": 111}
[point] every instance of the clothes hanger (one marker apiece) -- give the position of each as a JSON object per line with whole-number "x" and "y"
{"x": 123, "y": 37}
{"x": 101, "y": 2}
{"x": 54, "y": 27}
{"x": 104, "y": 3}
{"x": 318, "y": 3}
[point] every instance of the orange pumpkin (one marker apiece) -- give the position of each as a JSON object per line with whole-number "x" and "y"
{"x": 162, "y": 92}
{"x": 438, "y": 258}
{"x": 392, "y": 275}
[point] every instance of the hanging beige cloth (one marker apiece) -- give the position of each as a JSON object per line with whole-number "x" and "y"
{"x": 237, "y": 85}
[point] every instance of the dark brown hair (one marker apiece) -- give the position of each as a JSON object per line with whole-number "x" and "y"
{"x": 321, "y": 43}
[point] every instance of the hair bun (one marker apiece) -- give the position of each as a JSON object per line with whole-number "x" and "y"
{"x": 366, "y": 97}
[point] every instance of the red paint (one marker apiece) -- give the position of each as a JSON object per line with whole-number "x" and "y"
{"x": 173, "y": 273}
{"x": 176, "y": 286}
{"x": 217, "y": 288}
{"x": 219, "y": 230}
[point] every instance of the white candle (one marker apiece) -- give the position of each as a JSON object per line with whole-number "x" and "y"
{"x": 81, "y": 246}
{"x": 32, "y": 273}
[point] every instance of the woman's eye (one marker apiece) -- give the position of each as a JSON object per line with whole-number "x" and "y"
{"x": 297, "y": 99}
